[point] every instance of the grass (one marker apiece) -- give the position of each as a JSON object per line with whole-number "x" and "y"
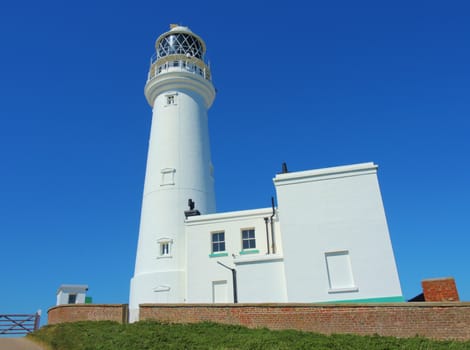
{"x": 106, "y": 335}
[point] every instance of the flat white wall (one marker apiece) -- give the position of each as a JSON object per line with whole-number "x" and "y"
{"x": 204, "y": 274}
{"x": 335, "y": 237}
{"x": 261, "y": 279}
{"x": 64, "y": 291}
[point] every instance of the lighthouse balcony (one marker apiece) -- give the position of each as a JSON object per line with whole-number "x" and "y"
{"x": 178, "y": 63}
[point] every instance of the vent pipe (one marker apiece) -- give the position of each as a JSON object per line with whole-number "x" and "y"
{"x": 272, "y": 227}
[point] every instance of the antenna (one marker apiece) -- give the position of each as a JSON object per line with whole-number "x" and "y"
{"x": 284, "y": 168}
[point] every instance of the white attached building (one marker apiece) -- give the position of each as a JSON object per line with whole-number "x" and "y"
{"x": 327, "y": 241}
{"x": 331, "y": 243}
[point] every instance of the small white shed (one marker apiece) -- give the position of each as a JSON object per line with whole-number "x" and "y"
{"x": 71, "y": 294}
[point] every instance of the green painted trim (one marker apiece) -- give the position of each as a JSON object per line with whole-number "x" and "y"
{"x": 251, "y": 251}
{"x": 217, "y": 255}
{"x": 396, "y": 299}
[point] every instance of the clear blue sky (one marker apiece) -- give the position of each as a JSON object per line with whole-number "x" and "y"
{"x": 311, "y": 83}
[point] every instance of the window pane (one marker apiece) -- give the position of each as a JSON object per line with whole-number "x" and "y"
{"x": 72, "y": 298}
{"x": 218, "y": 242}
{"x": 248, "y": 239}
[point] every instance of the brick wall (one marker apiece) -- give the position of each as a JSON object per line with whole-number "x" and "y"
{"x": 432, "y": 320}
{"x": 88, "y": 312}
{"x": 440, "y": 289}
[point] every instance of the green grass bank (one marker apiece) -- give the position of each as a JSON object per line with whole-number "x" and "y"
{"x": 104, "y": 335}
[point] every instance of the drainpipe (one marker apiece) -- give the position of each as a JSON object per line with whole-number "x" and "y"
{"x": 272, "y": 226}
{"x": 234, "y": 281}
{"x": 267, "y": 234}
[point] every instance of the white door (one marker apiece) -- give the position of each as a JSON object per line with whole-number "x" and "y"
{"x": 219, "y": 292}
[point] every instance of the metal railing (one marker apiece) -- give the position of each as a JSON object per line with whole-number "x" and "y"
{"x": 180, "y": 63}
{"x": 19, "y": 323}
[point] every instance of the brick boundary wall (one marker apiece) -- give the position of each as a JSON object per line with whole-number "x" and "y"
{"x": 88, "y": 312}
{"x": 430, "y": 320}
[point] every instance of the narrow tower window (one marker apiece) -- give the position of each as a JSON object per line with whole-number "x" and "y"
{"x": 170, "y": 99}
{"x": 168, "y": 176}
{"x": 164, "y": 247}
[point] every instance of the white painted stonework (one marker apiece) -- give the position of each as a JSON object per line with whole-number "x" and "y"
{"x": 336, "y": 241}
{"x": 71, "y": 294}
{"x": 256, "y": 270}
{"x": 326, "y": 241}
{"x": 178, "y": 168}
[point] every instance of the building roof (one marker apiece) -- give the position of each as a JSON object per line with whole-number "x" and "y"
{"x": 72, "y": 288}
{"x": 324, "y": 173}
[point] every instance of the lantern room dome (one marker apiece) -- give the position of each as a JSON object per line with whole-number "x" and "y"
{"x": 180, "y": 40}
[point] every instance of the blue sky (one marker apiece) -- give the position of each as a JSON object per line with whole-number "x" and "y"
{"x": 314, "y": 84}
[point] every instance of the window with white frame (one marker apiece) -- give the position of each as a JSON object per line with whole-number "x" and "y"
{"x": 164, "y": 247}
{"x": 170, "y": 99}
{"x": 218, "y": 242}
{"x": 248, "y": 238}
{"x": 168, "y": 176}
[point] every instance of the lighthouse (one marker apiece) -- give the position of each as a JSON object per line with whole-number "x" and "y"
{"x": 326, "y": 241}
{"x": 179, "y": 175}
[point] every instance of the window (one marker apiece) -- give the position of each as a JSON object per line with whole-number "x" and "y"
{"x": 72, "y": 298}
{"x": 168, "y": 176}
{"x": 218, "y": 242}
{"x": 164, "y": 249}
{"x": 171, "y": 99}
{"x": 248, "y": 239}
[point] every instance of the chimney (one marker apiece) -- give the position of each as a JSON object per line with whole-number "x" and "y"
{"x": 440, "y": 289}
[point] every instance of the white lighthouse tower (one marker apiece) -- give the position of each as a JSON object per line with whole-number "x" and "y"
{"x": 179, "y": 168}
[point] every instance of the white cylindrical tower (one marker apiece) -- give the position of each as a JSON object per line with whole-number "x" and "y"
{"x": 179, "y": 166}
